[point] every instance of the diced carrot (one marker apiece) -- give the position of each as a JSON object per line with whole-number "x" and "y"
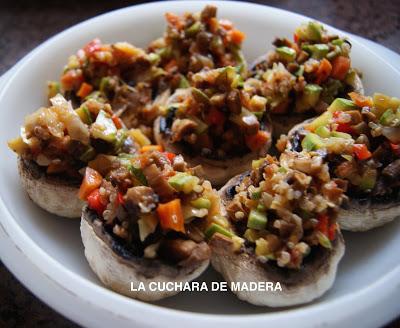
{"x": 324, "y": 70}
{"x": 174, "y": 20}
{"x": 171, "y": 65}
{"x": 84, "y": 90}
{"x": 72, "y": 79}
{"x": 236, "y": 36}
{"x": 96, "y": 201}
{"x": 91, "y": 181}
{"x": 361, "y": 151}
{"x": 226, "y": 24}
{"x": 171, "y": 216}
{"x": 117, "y": 121}
{"x": 147, "y": 148}
{"x": 214, "y": 25}
{"x": 340, "y": 67}
{"x": 258, "y": 140}
{"x": 360, "y": 100}
{"x": 215, "y": 117}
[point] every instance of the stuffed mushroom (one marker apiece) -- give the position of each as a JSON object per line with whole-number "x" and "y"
{"x": 120, "y": 74}
{"x": 301, "y": 78}
{"x": 359, "y": 139}
{"x": 215, "y": 123}
{"x": 283, "y": 229}
{"x": 195, "y": 41}
{"x": 146, "y": 221}
{"x": 57, "y": 142}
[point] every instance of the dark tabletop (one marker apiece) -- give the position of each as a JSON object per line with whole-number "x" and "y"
{"x": 26, "y": 24}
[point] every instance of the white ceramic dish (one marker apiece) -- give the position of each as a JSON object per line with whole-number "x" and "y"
{"x": 46, "y": 253}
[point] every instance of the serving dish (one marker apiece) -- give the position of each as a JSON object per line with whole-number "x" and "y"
{"x": 54, "y": 248}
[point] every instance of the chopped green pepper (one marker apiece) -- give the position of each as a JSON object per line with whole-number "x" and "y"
{"x": 310, "y": 32}
{"x": 340, "y": 135}
{"x": 183, "y": 82}
{"x": 368, "y": 180}
{"x": 104, "y": 128}
{"x": 88, "y": 154}
{"x": 321, "y": 120}
{"x": 341, "y": 104}
{"x": 388, "y": 117}
{"x": 200, "y": 96}
{"x": 286, "y": 53}
{"x": 256, "y": 194}
{"x": 183, "y": 181}
{"x": 324, "y": 240}
{"x": 193, "y": 29}
{"x": 300, "y": 71}
{"x": 256, "y": 163}
{"x": 53, "y": 88}
{"x": 201, "y": 202}
{"x": 138, "y": 174}
{"x": 312, "y": 142}
{"x": 84, "y": 114}
{"x": 317, "y": 51}
{"x": 257, "y": 220}
{"x": 213, "y": 228}
{"x": 323, "y": 131}
{"x": 337, "y": 42}
{"x": 309, "y": 98}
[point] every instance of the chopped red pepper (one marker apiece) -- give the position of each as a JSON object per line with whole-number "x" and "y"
{"x": 295, "y": 37}
{"x": 344, "y": 127}
{"x": 258, "y": 140}
{"x": 395, "y": 148}
{"x": 332, "y": 231}
{"x": 72, "y": 79}
{"x": 341, "y": 127}
{"x": 96, "y": 202}
{"x": 120, "y": 198}
{"x": 323, "y": 71}
{"x": 322, "y": 225}
{"x": 117, "y": 121}
{"x": 170, "y": 156}
{"x": 340, "y": 67}
{"x": 361, "y": 151}
{"x": 92, "y": 47}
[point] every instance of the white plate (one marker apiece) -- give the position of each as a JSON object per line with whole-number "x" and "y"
{"x": 46, "y": 253}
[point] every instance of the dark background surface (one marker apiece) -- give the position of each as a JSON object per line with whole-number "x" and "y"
{"x": 26, "y": 24}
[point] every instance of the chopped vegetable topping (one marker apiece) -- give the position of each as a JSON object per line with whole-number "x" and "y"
{"x": 143, "y": 201}
{"x": 361, "y": 138}
{"x": 63, "y": 140}
{"x": 294, "y": 212}
{"x": 216, "y": 117}
{"x": 305, "y": 74}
